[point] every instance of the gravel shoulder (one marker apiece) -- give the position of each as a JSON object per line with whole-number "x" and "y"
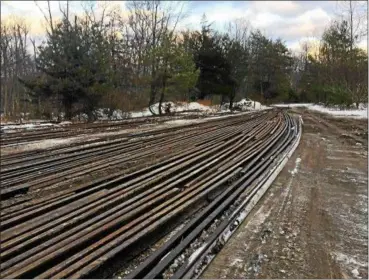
{"x": 313, "y": 220}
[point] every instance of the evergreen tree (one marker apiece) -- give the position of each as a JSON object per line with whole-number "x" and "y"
{"x": 75, "y": 66}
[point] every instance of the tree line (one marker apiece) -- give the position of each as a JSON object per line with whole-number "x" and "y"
{"x": 93, "y": 61}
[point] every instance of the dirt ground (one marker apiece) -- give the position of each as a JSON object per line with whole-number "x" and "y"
{"x": 313, "y": 220}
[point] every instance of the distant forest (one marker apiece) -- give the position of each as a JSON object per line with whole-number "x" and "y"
{"x": 109, "y": 61}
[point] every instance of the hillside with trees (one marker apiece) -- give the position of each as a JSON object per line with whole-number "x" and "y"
{"x": 91, "y": 61}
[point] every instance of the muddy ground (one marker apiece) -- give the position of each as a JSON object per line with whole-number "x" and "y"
{"x": 313, "y": 220}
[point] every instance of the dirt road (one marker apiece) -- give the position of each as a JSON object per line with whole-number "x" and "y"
{"x": 313, "y": 221}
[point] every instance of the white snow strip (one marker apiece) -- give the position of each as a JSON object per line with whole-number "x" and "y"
{"x": 27, "y": 126}
{"x": 44, "y": 144}
{"x": 360, "y": 113}
{"x": 182, "y": 122}
{"x": 196, "y": 253}
{"x": 48, "y": 143}
{"x": 291, "y": 105}
{"x": 295, "y": 170}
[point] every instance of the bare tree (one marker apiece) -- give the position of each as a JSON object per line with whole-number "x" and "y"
{"x": 15, "y": 62}
{"x": 148, "y": 23}
{"x": 356, "y": 14}
{"x": 239, "y": 30}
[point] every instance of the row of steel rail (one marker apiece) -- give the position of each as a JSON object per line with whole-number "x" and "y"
{"x": 23, "y": 172}
{"x": 16, "y": 136}
{"x": 76, "y": 232}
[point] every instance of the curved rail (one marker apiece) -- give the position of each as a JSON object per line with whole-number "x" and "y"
{"x": 74, "y": 232}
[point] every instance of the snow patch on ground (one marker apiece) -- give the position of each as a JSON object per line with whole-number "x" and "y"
{"x": 296, "y": 169}
{"x": 65, "y": 123}
{"x": 360, "y": 113}
{"x": 26, "y": 126}
{"x": 292, "y": 105}
{"x": 49, "y": 143}
{"x": 182, "y": 122}
{"x": 248, "y": 104}
{"x": 196, "y": 253}
{"x": 44, "y": 144}
{"x": 33, "y": 124}
{"x": 174, "y": 108}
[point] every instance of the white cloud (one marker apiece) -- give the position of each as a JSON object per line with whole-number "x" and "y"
{"x": 283, "y": 8}
{"x": 289, "y": 20}
{"x": 265, "y": 20}
{"x": 33, "y": 14}
{"x": 313, "y": 15}
{"x": 310, "y": 23}
{"x": 28, "y": 8}
{"x": 223, "y": 12}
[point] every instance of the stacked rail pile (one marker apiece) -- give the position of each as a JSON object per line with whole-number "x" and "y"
{"x": 43, "y": 169}
{"x": 76, "y": 232}
{"x": 18, "y": 136}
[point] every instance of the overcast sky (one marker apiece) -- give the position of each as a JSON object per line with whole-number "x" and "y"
{"x": 293, "y": 21}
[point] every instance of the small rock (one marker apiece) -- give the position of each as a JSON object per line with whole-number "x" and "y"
{"x": 281, "y": 232}
{"x": 282, "y": 270}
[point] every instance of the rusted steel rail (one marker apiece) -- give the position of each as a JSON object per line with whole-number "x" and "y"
{"x": 60, "y": 131}
{"x": 44, "y": 170}
{"x": 74, "y": 232}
